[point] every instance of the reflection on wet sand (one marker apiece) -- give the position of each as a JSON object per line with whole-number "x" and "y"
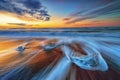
{"x": 35, "y": 63}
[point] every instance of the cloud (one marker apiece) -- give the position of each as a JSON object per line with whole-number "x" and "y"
{"x": 20, "y": 24}
{"x": 33, "y": 8}
{"x": 109, "y": 8}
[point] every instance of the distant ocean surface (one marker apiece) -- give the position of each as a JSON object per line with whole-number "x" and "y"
{"x": 54, "y": 32}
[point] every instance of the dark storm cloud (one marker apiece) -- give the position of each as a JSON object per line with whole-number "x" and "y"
{"x": 21, "y": 7}
{"x": 33, "y": 4}
{"x": 62, "y": 0}
{"x": 109, "y": 8}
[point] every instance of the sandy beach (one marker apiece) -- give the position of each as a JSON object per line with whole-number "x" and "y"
{"x": 39, "y": 63}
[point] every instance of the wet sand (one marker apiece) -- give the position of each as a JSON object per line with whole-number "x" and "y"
{"x": 35, "y": 63}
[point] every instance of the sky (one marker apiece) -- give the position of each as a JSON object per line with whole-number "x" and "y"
{"x": 59, "y": 13}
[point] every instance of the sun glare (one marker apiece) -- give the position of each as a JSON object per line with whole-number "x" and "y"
{"x": 9, "y": 19}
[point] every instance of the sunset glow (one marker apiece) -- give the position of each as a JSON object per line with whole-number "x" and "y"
{"x": 70, "y": 14}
